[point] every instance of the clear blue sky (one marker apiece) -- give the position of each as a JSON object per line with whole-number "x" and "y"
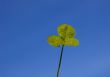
{"x": 26, "y": 24}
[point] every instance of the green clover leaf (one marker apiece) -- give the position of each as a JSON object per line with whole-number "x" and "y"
{"x": 66, "y": 36}
{"x": 55, "y": 40}
{"x": 66, "y": 31}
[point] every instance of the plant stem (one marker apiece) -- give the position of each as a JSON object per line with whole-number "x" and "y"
{"x": 60, "y": 60}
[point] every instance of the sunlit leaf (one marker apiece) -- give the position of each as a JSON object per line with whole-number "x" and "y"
{"x": 71, "y": 42}
{"x": 65, "y": 30}
{"x": 66, "y": 36}
{"x": 55, "y": 40}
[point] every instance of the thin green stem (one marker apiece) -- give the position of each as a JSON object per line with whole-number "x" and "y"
{"x": 60, "y": 60}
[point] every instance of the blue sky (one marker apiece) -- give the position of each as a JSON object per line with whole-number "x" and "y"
{"x": 26, "y": 24}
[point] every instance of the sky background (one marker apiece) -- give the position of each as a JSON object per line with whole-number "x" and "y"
{"x": 26, "y": 24}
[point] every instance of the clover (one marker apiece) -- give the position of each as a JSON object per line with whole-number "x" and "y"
{"x": 65, "y": 37}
